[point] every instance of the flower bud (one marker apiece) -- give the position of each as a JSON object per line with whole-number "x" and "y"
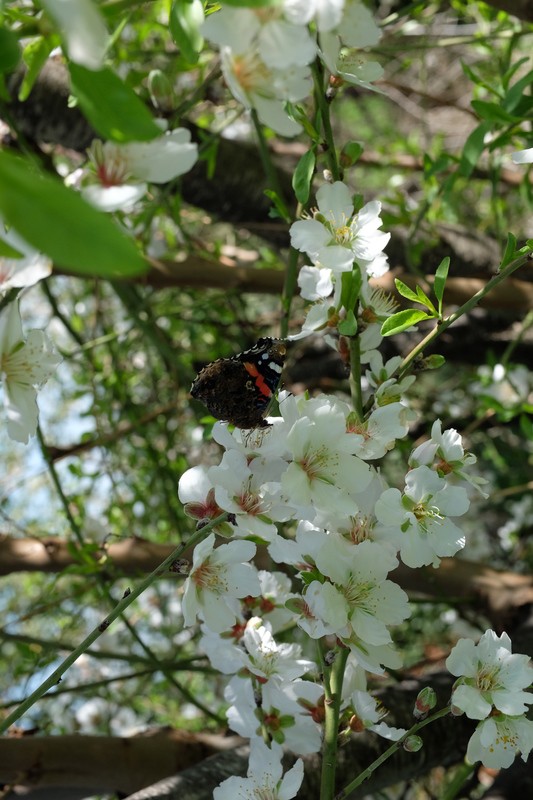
{"x": 426, "y": 700}
{"x": 160, "y": 90}
{"x": 413, "y": 744}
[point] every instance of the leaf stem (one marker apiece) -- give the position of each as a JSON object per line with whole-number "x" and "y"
{"x": 464, "y": 309}
{"x": 363, "y": 776}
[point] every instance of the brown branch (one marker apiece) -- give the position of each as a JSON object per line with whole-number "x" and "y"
{"x": 198, "y": 273}
{"x": 104, "y": 762}
{"x": 498, "y": 592}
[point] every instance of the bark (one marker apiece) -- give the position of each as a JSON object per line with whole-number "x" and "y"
{"x": 104, "y": 763}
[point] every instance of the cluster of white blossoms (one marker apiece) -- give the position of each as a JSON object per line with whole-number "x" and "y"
{"x": 26, "y": 362}
{"x": 307, "y": 490}
{"x": 335, "y": 237}
{"x": 266, "y": 52}
{"x": 491, "y": 689}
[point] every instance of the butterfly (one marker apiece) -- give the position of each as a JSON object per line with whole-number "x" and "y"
{"x": 240, "y": 389}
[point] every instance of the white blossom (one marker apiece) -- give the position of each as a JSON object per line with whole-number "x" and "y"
{"x": 491, "y": 676}
{"x": 368, "y": 715}
{"x": 523, "y": 156}
{"x": 336, "y": 236}
{"x": 286, "y": 711}
{"x": 217, "y": 578}
{"x": 123, "y": 170}
{"x": 83, "y": 29}
{"x": 279, "y": 42}
{"x": 265, "y": 777}
{"x": 418, "y": 522}
{"x": 498, "y": 739}
{"x": 324, "y": 471}
{"x": 25, "y": 366}
{"x": 268, "y": 659}
{"x": 266, "y": 89}
{"x": 26, "y": 270}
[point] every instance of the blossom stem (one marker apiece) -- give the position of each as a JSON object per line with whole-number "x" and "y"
{"x": 346, "y": 792}
{"x": 324, "y": 107}
{"x": 128, "y": 598}
{"x": 464, "y": 309}
{"x": 333, "y": 691}
{"x": 355, "y": 375}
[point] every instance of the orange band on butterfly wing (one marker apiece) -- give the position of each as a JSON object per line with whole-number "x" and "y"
{"x": 260, "y": 382}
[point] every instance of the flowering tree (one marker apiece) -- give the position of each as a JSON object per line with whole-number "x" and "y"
{"x": 292, "y": 518}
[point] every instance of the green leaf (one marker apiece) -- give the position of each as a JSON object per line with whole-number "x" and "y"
{"x": 434, "y": 361}
{"x": 186, "y": 16}
{"x": 350, "y": 153}
{"x": 7, "y": 251}
{"x": 57, "y": 221}
{"x": 350, "y": 288}
{"x": 9, "y": 50}
{"x": 34, "y": 55}
{"x": 348, "y": 326}
{"x": 405, "y": 291}
{"x": 402, "y": 320}
{"x": 474, "y": 146}
{"x": 280, "y": 209}
{"x": 425, "y": 301}
{"x": 510, "y": 250}
{"x": 303, "y": 175}
{"x": 440, "y": 280}
{"x": 111, "y": 106}
{"x": 492, "y": 112}
{"x": 514, "y": 95}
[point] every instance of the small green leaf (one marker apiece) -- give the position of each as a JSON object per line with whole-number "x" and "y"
{"x": 402, "y": 320}
{"x": 303, "y": 175}
{"x": 474, "y": 146}
{"x": 280, "y": 209}
{"x": 440, "y": 281}
{"x": 434, "y": 361}
{"x": 111, "y": 106}
{"x": 492, "y": 112}
{"x": 6, "y": 251}
{"x": 58, "y": 222}
{"x": 526, "y": 426}
{"x": 186, "y": 16}
{"x": 405, "y": 290}
{"x": 425, "y": 301}
{"x": 514, "y": 95}
{"x": 350, "y": 288}
{"x": 510, "y": 250}
{"x": 34, "y": 55}
{"x": 9, "y": 50}
{"x": 350, "y": 153}
{"x": 348, "y": 326}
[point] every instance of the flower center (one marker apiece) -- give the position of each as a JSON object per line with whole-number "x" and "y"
{"x": 251, "y": 73}
{"x": 487, "y": 679}
{"x": 209, "y": 576}
{"x": 314, "y": 464}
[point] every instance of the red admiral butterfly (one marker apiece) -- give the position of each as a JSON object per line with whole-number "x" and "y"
{"x": 239, "y": 389}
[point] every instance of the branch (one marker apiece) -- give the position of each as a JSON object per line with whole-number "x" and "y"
{"x": 498, "y": 592}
